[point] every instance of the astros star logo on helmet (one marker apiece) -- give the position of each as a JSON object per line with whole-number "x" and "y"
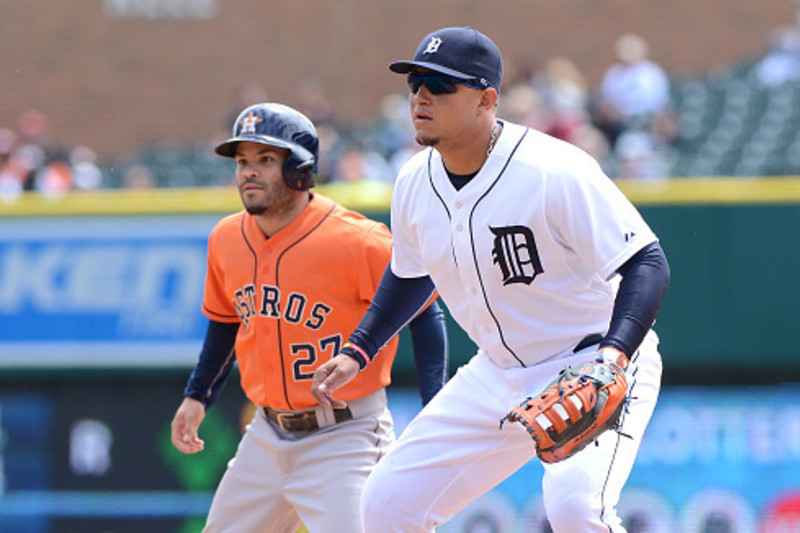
{"x": 249, "y": 123}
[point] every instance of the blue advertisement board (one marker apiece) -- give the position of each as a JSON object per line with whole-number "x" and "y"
{"x": 107, "y": 291}
{"x": 713, "y": 460}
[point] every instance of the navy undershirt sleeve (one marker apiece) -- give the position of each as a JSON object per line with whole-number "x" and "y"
{"x": 429, "y": 341}
{"x": 645, "y": 278}
{"x": 398, "y": 302}
{"x": 214, "y": 363}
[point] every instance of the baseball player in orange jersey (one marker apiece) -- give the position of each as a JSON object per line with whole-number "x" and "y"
{"x": 279, "y": 306}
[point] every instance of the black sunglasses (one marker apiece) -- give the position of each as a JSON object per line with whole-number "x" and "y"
{"x": 438, "y": 83}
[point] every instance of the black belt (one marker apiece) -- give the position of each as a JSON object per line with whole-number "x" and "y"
{"x": 587, "y": 341}
{"x": 292, "y": 421}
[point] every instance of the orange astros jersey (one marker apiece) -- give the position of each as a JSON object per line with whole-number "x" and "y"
{"x": 297, "y": 295}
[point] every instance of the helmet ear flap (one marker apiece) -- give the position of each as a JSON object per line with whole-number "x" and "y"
{"x": 298, "y": 173}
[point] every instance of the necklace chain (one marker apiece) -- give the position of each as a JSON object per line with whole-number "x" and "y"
{"x": 493, "y": 140}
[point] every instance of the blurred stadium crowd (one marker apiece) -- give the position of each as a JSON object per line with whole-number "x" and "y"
{"x": 641, "y": 123}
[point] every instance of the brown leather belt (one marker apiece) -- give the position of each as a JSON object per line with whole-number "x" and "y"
{"x": 293, "y": 421}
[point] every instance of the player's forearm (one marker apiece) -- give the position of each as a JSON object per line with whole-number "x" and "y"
{"x": 214, "y": 363}
{"x": 429, "y": 340}
{"x": 396, "y": 302}
{"x": 645, "y": 278}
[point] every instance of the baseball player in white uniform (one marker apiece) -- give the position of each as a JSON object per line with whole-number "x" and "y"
{"x": 543, "y": 262}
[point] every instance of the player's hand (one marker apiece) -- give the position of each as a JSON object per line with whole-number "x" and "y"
{"x": 185, "y": 425}
{"x": 611, "y": 356}
{"x": 332, "y": 375}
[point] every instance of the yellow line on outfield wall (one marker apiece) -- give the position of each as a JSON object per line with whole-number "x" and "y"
{"x": 226, "y": 200}
{"x": 714, "y": 191}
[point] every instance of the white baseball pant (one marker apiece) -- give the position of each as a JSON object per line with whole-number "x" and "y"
{"x": 453, "y": 451}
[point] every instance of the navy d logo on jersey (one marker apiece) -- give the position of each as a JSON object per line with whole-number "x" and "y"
{"x": 516, "y": 254}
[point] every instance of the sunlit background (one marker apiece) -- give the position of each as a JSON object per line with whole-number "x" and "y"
{"x": 109, "y": 187}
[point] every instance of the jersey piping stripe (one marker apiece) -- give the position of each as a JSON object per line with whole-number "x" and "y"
{"x": 209, "y": 311}
{"x": 605, "y": 485}
{"x": 222, "y": 372}
{"x": 277, "y": 283}
{"x": 616, "y": 446}
{"x": 255, "y": 269}
{"x": 255, "y": 260}
{"x": 252, "y": 251}
{"x": 441, "y": 200}
{"x": 475, "y": 256}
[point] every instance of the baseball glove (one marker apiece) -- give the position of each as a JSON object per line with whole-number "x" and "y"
{"x": 571, "y": 412}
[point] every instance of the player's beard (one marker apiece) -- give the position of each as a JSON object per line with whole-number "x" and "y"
{"x": 274, "y": 198}
{"x": 427, "y": 141}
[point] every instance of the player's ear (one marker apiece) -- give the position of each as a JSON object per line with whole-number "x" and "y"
{"x": 489, "y": 99}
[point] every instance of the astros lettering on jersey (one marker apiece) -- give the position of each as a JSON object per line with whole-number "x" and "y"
{"x": 293, "y": 295}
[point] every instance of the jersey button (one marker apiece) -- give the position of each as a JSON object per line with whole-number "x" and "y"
{"x": 474, "y": 290}
{"x": 458, "y": 205}
{"x": 459, "y": 227}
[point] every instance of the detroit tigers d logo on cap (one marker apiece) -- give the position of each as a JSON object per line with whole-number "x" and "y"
{"x": 433, "y": 45}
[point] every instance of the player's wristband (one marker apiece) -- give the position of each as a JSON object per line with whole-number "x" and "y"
{"x": 357, "y": 353}
{"x": 613, "y": 355}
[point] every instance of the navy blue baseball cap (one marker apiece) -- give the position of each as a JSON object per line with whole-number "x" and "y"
{"x": 463, "y": 53}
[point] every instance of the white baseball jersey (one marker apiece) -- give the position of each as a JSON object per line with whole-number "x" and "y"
{"x": 524, "y": 255}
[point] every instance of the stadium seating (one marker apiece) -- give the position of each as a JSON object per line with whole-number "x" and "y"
{"x": 729, "y": 124}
